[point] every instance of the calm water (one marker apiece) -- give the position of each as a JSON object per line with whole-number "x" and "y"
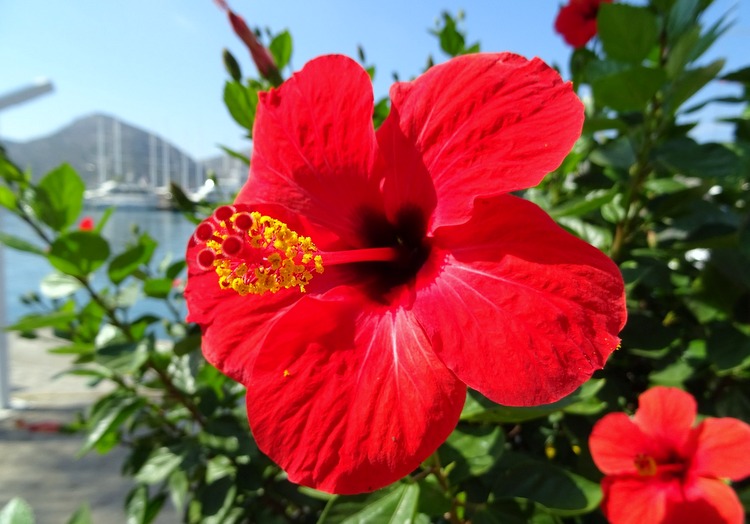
{"x": 24, "y": 271}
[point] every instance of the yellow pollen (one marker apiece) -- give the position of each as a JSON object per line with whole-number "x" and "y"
{"x": 286, "y": 373}
{"x": 271, "y": 256}
{"x": 645, "y": 465}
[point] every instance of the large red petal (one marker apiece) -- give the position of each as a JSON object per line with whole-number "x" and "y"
{"x": 235, "y": 326}
{"x": 631, "y": 500}
{"x": 485, "y": 124}
{"x": 348, "y": 397}
{"x": 666, "y": 415}
{"x": 705, "y": 501}
{"x": 518, "y": 308}
{"x": 722, "y": 449}
{"x": 615, "y": 442}
{"x": 314, "y": 146}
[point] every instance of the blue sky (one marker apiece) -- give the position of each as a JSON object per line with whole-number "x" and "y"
{"x": 157, "y": 63}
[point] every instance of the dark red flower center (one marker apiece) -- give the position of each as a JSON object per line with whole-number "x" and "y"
{"x": 648, "y": 466}
{"x": 406, "y": 236}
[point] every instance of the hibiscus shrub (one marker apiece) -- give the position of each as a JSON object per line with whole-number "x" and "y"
{"x": 383, "y": 256}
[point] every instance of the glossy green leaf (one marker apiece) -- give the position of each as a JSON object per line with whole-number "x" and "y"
{"x": 281, "y": 49}
{"x": 241, "y": 101}
{"x": 157, "y": 287}
{"x": 692, "y": 81}
{"x": 472, "y": 450}
{"x": 560, "y": 491}
{"x": 231, "y": 65}
{"x": 107, "y": 416}
{"x": 16, "y": 511}
{"x": 480, "y": 409}
{"x": 7, "y": 198}
{"x": 20, "y": 244}
{"x": 728, "y": 348}
{"x": 127, "y": 262}
{"x": 628, "y": 90}
{"x": 59, "y": 197}
{"x": 59, "y": 319}
{"x": 674, "y": 375}
{"x": 79, "y": 253}
{"x": 392, "y": 505}
{"x": 126, "y": 357}
{"x": 628, "y": 33}
{"x": 580, "y": 206}
{"x": 686, "y": 157}
{"x": 681, "y": 18}
{"x": 160, "y": 465}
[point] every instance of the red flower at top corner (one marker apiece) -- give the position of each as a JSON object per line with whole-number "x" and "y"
{"x": 660, "y": 469}
{"x": 421, "y": 273}
{"x": 576, "y": 22}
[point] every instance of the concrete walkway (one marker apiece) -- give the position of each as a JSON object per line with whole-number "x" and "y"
{"x": 40, "y": 465}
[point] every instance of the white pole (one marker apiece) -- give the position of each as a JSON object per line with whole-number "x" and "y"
{"x": 19, "y": 96}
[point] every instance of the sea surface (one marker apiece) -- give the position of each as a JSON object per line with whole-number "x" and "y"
{"x": 22, "y": 272}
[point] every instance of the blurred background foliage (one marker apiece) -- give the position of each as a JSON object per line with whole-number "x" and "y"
{"x": 670, "y": 209}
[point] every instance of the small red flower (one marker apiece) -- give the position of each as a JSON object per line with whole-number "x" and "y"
{"x": 660, "y": 469}
{"x": 576, "y": 22}
{"x": 433, "y": 276}
{"x": 86, "y": 224}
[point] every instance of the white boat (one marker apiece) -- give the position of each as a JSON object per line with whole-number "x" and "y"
{"x": 124, "y": 196}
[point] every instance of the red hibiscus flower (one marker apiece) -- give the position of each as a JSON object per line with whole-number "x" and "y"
{"x": 576, "y": 22}
{"x": 434, "y": 276}
{"x": 661, "y": 470}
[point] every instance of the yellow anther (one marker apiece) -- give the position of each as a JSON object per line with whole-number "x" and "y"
{"x": 645, "y": 465}
{"x": 286, "y": 373}
{"x": 273, "y": 257}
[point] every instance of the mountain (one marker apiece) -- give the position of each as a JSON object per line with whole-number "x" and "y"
{"x": 101, "y": 147}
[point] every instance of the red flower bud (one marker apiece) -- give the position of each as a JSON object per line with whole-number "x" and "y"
{"x": 261, "y": 56}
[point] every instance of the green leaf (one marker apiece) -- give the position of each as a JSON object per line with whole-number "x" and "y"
{"x": 728, "y": 348}
{"x": 615, "y": 153}
{"x": 628, "y": 33}
{"x": 20, "y": 244}
{"x": 79, "y": 253}
{"x": 160, "y": 465}
{"x": 123, "y": 358}
{"x": 480, "y": 409}
{"x": 686, "y": 157}
{"x": 219, "y": 467}
{"x": 107, "y": 415}
{"x": 673, "y": 375}
{"x": 692, "y": 81}
{"x": 127, "y": 262}
{"x": 7, "y": 198}
{"x": 82, "y": 515}
{"x": 16, "y": 511}
{"x": 473, "y": 450}
{"x": 231, "y": 65}
{"x": 451, "y": 40}
{"x": 157, "y": 287}
{"x": 579, "y": 206}
{"x": 628, "y": 90}
{"x": 560, "y": 491}
{"x": 241, "y": 101}
{"x": 682, "y": 16}
{"x": 58, "y": 319}
{"x": 59, "y": 285}
{"x": 281, "y": 49}
{"x": 392, "y": 505}
{"x": 59, "y": 197}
